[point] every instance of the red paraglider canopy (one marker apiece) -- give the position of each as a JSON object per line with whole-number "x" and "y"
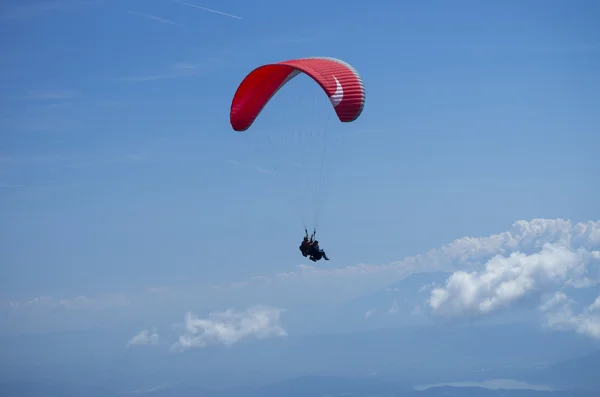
{"x": 340, "y": 81}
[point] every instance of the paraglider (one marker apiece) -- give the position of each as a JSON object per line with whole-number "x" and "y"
{"x": 339, "y": 80}
{"x": 306, "y": 244}
{"x": 310, "y": 248}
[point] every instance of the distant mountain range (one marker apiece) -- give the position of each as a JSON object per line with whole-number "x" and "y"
{"x": 581, "y": 372}
{"x": 393, "y": 344}
{"x": 406, "y": 303}
{"x": 408, "y": 355}
{"x": 400, "y": 303}
{"x": 314, "y": 386}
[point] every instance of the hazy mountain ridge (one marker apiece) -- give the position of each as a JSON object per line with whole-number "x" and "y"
{"x": 412, "y": 354}
{"x": 317, "y": 386}
{"x": 580, "y": 372}
{"x": 395, "y": 304}
{"x": 405, "y": 355}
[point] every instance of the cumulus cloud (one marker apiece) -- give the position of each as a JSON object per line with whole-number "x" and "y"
{"x": 464, "y": 253}
{"x": 395, "y": 308}
{"x": 369, "y": 313}
{"x": 560, "y": 314}
{"x": 230, "y": 327}
{"x": 145, "y": 337}
{"x": 533, "y": 259}
{"x": 547, "y": 255}
{"x": 427, "y": 287}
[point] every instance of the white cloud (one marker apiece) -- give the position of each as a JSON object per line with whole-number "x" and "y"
{"x": 427, "y": 287}
{"x": 185, "y": 66}
{"x": 41, "y": 8}
{"x": 177, "y": 70}
{"x": 145, "y": 337}
{"x": 229, "y": 327}
{"x": 506, "y": 280}
{"x": 128, "y": 158}
{"x": 162, "y": 386}
{"x": 534, "y": 258}
{"x": 561, "y": 315}
{"x": 159, "y": 290}
{"x": 77, "y": 303}
{"x": 41, "y": 301}
{"x": 40, "y": 124}
{"x": 467, "y": 252}
{"x": 263, "y": 170}
{"x": 547, "y": 255}
{"x": 395, "y": 308}
{"x": 210, "y": 10}
{"x": 416, "y": 311}
{"x": 151, "y": 17}
{"x": 369, "y": 313}
{"x": 102, "y": 302}
{"x": 50, "y": 95}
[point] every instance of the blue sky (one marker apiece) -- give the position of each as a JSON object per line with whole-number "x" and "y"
{"x": 119, "y": 170}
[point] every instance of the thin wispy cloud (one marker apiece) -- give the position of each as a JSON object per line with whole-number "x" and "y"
{"x": 42, "y": 8}
{"x": 264, "y": 170}
{"x": 80, "y": 302}
{"x": 158, "y": 290}
{"x": 165, "y": 292}
{"x": 186, "y": 67}
{"x": 35, "y": 124}
{"x": 10, "y": 186}
{"x": 395, "y": 308}
{"x": 144, "y": 338}
{"x": 37, "y": 301}
{"x": 91, "y": 302}
{"x": 181, "y": 69}
{"x": 147, "y": 78}
{"x": 515, "y": 268}
{"x": 488, "y": 274}
{"x": 209, "y": 10}
{"x": 26, "y": 160}
{"x": 128, "y": 158}
{"x": 299, "y": 40}
{"x": 105, "y": 103}
{"x": 257, "y": 168}
{"x": 68, "y": 161}
{"x": 574, "y": 48}
{"x": 41, "y": 95}
{"x": 57, "y": 106}
{"x": 162, "y": 386}
{"x": 475, "y": 252}
{"x": 152, "y": 17}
